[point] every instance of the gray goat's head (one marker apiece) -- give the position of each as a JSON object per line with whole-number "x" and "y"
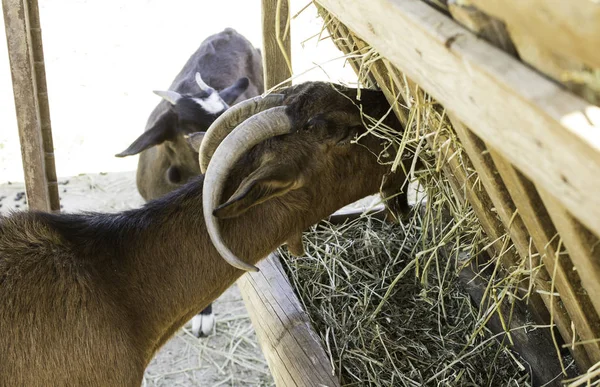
{"x": 187, "y": 114}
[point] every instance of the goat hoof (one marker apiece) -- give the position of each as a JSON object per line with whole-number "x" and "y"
{"x": 203, "y": 325}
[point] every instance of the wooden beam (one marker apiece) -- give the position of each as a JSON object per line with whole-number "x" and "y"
{"x": 482, "y": 24}
{"x": 23, "y": 35}
{"x": 546, "y": 132}
{"x": 583, "y": 247}
{"x": 569, "y": 27}
{"x": 517, "y": 220}
{"x": 291, "y": 347}
{"x": 277, "y": 53}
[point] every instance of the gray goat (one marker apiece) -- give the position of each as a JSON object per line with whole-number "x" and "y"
{"x": 75, "y": 288}
{"x": 232, "y": 67}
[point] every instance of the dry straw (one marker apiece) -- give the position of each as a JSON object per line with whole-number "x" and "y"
{"x": 385, "y": 298}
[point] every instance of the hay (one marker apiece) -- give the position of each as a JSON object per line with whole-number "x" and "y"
{"x": 381, "y": 325}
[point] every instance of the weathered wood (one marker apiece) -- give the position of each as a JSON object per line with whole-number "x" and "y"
{"x": 501, "y": 191}
{"x": 31, "y": 103}
{"x": 540, "y": 302}
{"x": 292, "y": 349}
{"x": 277, "y": 54}
{"x": 571, "y": 27}
{"x": 542, "y": 231}
{"x": 583, "y": 247}
{"x": 483, "y": 25}
{"x": 553, "y": 138}
{"x": 44, "y": 106}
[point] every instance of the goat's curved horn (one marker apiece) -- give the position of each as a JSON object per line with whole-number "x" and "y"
{"x": 232, "y": 117}
{"x": 201, "y": 84}
{"x": 269, "y": 123}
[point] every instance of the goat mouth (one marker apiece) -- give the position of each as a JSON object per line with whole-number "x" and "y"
{"x": 259, "y": 127}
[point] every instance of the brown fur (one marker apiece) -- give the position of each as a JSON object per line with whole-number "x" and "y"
{"x": 88, "y": 299}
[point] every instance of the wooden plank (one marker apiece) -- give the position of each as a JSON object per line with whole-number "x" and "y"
{"x": 554, "y": 137}
{"x": 515, "y": 222}
{"x": 44, "y": 106}
{"x": 277, "y": 54}
{"x": 570, "y": 27}
{"x": 292, "y": 349}
{"x": 583, "y": 247}
{"x": 24, "y": 47}
{"x": 542, "y": 231}
{"x": 483, "y": 25}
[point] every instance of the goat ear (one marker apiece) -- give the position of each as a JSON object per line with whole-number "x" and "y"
{"x": 263, "y": 184}
{"x": 230, "y": 94}
{"x": 170, "y": 96}
{"x": 195, "y": 140}
{"x": 163, "y": 130}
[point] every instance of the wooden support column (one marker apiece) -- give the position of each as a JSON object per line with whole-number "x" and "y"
{"x": 277, "y": 53}
{"x": 24, "y": 39}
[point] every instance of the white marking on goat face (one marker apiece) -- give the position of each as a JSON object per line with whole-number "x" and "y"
{"x": 212, "y": 104}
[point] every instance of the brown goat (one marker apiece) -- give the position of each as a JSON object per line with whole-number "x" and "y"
{"x": 88, "y": 299}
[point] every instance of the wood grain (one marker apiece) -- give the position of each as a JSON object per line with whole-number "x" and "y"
{"x": 290, "y": 345}
{"x": 31, "y": 102}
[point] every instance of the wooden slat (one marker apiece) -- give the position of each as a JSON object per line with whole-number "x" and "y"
{"x": 513, "y": 222}
{"x": 483, "y": 25}
{"x": 26, "y": 63}
{"x": 44, "y": 106}
{"x": 277, "y": 52}
{"x": 571, "y": 27}
{"x": 546, "y": 132}
{"x": 556, "y": 64}
{"x": 542, "y": 231}
{"x": 292, "y": 349}
{"x": 583, "y": 247}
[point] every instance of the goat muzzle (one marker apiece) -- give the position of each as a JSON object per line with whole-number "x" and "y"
{"x": 259, "y": 127}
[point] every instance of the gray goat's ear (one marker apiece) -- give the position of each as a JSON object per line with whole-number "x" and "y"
{"x": 170, "y": 96}
{"x": 195, "y": 140}
{"x": 163, "y": 130}
{"x": 230, "y": 94}
{"x": 263, "y": 184}
{"x": 201, "y": 84}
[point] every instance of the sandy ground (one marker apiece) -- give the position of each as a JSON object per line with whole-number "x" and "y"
{"x": 103, "y": 59}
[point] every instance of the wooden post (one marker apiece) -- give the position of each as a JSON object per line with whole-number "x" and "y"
{"x": 277, "y": 56}
{"x": 24, "y": 39}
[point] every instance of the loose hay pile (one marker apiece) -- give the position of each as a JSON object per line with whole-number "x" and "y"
{"x": 381, "y": 326}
